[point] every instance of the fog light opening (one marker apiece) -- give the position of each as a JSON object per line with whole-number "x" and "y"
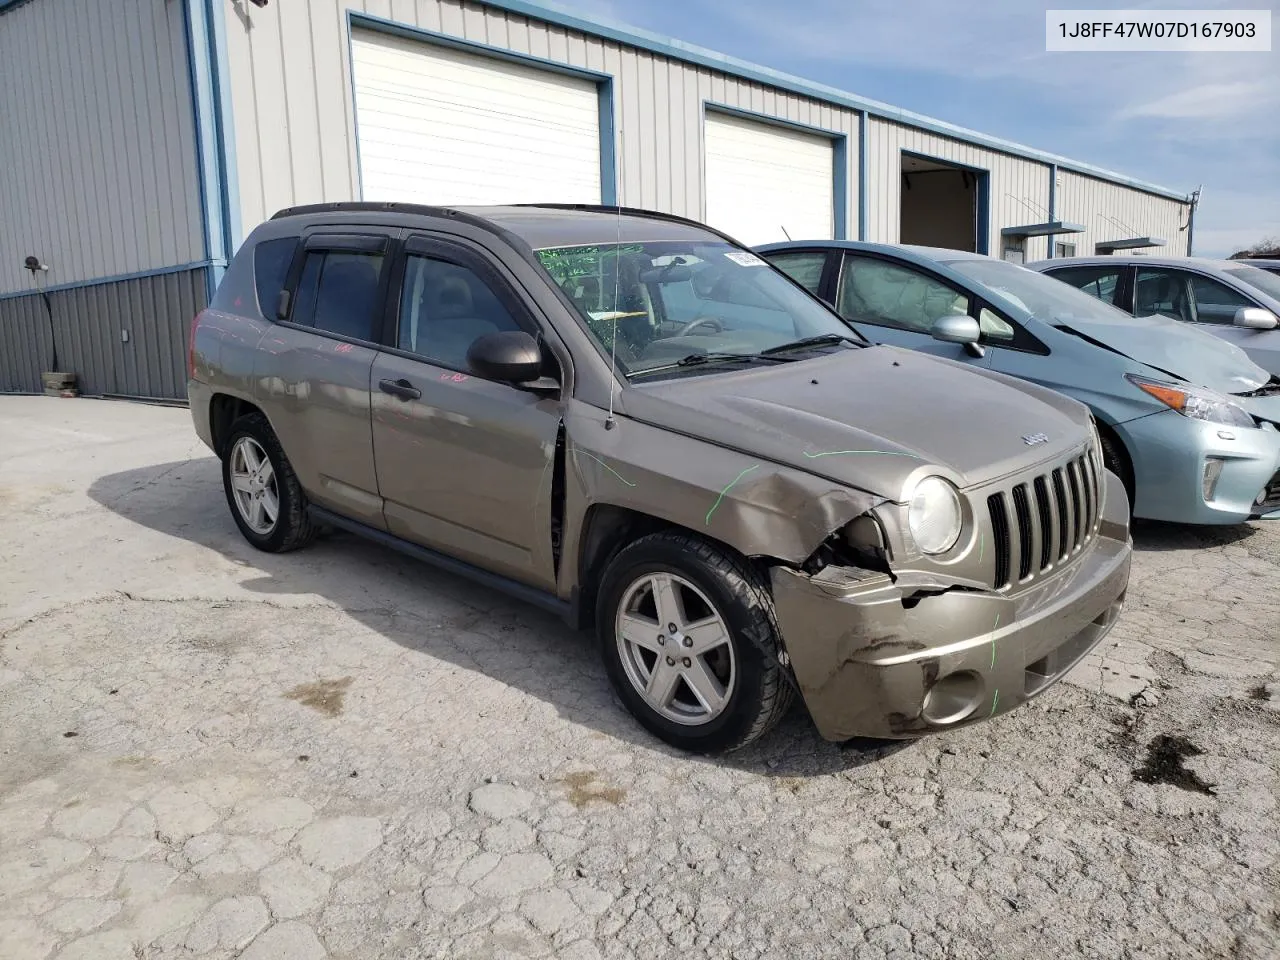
{"x": 952, "y": 698}
{"x": 1212, "y": 471}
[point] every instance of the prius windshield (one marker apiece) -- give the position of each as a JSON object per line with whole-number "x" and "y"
{"x": 1049, "y": 299}
{"x": 680, "y": 303}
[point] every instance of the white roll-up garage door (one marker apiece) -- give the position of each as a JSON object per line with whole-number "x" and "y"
{"x": 763, "y": 178}
{"x": 438, "y": 125}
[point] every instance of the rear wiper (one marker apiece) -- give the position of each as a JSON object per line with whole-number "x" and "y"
{"x": 697, "y": 359}
{"x": 819, "y": 340}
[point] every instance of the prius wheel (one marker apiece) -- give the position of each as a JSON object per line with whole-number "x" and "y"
{"x": 262, "y": 490}
{"x": 688, "y": 636}
{"x": 1116, "y": 459}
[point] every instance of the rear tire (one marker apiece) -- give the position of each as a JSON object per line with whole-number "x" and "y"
{"x": 266, "y": 500}
{"x": 713, "y": 684}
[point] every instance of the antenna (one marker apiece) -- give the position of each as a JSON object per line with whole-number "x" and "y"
{"x": 609, "y": 422}
{"x": 785, "y": 234}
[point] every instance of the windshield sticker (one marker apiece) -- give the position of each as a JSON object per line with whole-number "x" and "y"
{"x": 744, "y": 258}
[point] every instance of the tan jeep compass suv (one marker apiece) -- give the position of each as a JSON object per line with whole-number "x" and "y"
{"x": 631, "y": 420}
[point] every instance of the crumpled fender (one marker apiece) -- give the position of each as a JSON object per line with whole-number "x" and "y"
{"x": 755, "y": 506}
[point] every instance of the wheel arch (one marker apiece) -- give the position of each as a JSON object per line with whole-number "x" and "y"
{"x": 224, "y": 410}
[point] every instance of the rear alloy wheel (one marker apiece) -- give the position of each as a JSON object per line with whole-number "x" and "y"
{"x": 263, "y": 492}
{"x": 689, "y": 639}
{"x": 253, "y": 483}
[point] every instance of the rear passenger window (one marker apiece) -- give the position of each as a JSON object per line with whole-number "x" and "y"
{"x": 1100, "y": 282}
{"x": 338, "y": 293}
{"x": 271, "y": 259}
{"x": 804, "y": 267}
{"x": 444, "y": 308}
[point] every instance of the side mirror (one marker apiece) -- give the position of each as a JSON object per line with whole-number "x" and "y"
{"x": 957, "y": 328}
{"x": 1255, "y": 318}
{"x": 511, "y": 356}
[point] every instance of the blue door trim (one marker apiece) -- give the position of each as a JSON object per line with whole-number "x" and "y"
{"x": 119, "y": 278}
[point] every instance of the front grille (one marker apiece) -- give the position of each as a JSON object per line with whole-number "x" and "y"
{"x": 1042, "y": 521}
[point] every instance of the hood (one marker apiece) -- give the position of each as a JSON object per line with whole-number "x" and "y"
{"x": 1174, "y": 347}
{"x": 868, "y": 418}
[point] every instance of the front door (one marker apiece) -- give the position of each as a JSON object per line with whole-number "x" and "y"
{"x": 892, "y": 302}
{"x": 1209, "y": 304}
{"x": 464, "y": 464}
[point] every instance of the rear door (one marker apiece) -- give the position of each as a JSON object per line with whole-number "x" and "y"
{"x": 463, "y": 463}
{"x": 312, "y": 369}
{"x": 898, "y": 303}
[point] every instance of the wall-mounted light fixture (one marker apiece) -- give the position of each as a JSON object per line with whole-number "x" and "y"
{"x": 38, "y": 269}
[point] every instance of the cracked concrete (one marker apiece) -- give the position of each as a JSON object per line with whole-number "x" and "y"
{"x": 467, "y": 787}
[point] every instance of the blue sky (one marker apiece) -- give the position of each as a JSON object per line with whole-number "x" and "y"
{"x": 1176, "y": 119}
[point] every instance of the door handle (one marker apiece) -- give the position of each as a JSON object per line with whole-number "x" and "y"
{"x": 400, "y": 388}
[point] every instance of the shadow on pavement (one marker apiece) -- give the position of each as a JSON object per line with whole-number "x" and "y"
{"x": 445, "y": 616}
{"x": 1154, "y": 536}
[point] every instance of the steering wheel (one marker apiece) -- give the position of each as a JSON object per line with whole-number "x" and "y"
{"x": 697, "y": 322}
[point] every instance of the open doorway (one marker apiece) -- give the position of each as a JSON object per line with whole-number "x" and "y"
{"x": 942, "y": 204}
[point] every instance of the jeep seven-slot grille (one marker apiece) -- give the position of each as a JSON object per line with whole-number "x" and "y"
{"x": 1042, "y": 521}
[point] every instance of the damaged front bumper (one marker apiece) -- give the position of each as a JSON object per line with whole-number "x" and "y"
{"x": 877, "y": 656}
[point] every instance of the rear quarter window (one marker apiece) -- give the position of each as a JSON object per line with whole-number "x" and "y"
{"x": 271, "y": 259}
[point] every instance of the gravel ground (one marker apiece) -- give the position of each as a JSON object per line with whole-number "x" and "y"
{"x": 210, "y": 752}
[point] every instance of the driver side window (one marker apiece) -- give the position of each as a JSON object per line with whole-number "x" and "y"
{"x": 891, "y": 295}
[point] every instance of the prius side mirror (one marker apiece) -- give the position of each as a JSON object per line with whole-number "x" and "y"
{"x": 959, "y": 328}
{"x": 1255, "y": 318}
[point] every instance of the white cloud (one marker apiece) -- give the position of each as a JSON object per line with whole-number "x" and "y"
{"x": 1217, "y": 101}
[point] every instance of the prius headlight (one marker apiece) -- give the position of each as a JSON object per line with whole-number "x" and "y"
{"x": 934, "y": 516}
{"x": 1198, "y": 403}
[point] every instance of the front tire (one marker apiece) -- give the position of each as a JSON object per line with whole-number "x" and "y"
{"x": 690, "y": 642}
{"x": 262, "y": 490}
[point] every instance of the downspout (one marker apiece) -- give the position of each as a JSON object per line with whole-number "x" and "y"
{"x": 1191, "y": 218}
{"x": 210, "y": 104}
{"x": 1053, "y": 205}
{"x": 862, "y": 175}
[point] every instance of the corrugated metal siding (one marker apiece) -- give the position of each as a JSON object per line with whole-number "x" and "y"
{"x": 1112, "y": 212}
{"x": 97, "y": 156}
{"x": 156, "y": 311}
{"x": 1019, "y": 188}
{"x": 290, "y": 69}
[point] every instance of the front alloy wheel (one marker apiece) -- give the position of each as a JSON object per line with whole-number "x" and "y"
{"x": 690, "y": 642}
{"x": 675, "y": 649}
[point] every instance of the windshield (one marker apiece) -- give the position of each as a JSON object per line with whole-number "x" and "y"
{"x": 1268, "y": 283}
{"x": 1049, "y": 299}
{"x": 671, "y": 300}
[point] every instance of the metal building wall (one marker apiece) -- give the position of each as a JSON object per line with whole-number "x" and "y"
{"x": 291, "y": 96}
{"x": 97, "y": 152}
{"x": 156, "y": 312}
{"x": 1109, "y": 211}
{"x": 1018, "y": 188}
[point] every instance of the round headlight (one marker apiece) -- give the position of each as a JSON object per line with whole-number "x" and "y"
{"x": 934, "y": 515}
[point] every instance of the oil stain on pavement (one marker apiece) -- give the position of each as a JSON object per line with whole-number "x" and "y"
{"x": 1164, "y": 764}
{"x": 324, "y": 696}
